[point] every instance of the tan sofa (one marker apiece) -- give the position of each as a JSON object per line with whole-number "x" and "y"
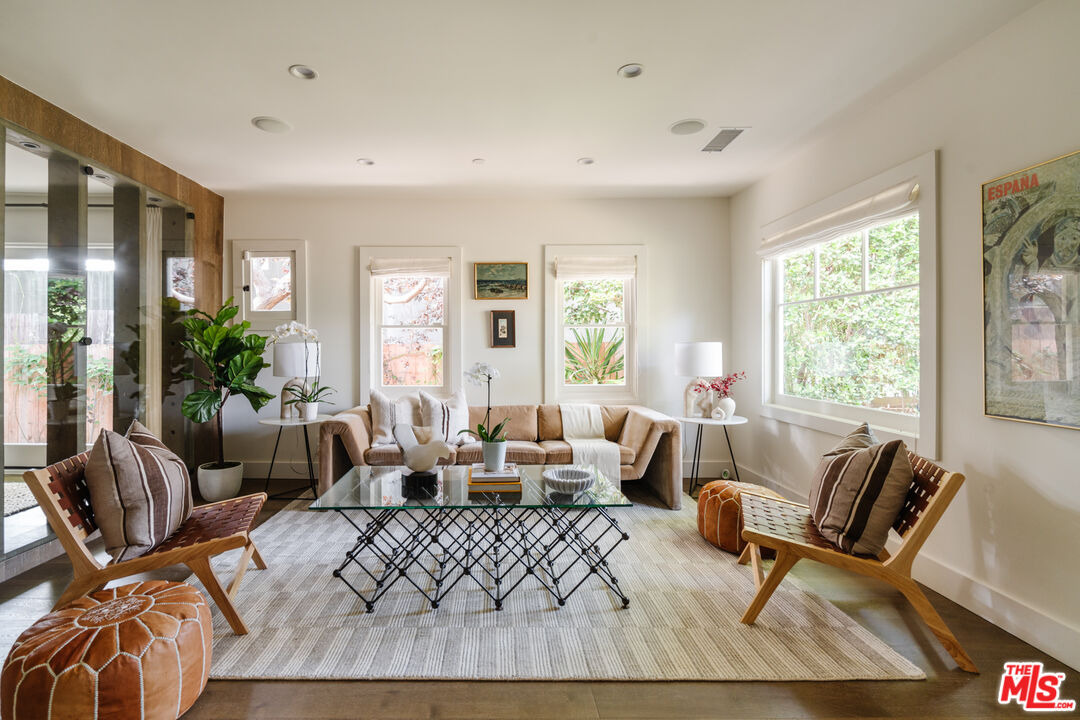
{"x": 650, "y": 444}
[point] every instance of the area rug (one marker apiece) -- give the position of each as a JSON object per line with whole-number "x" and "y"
{"x": 686, "y": 598}
{"x": 17, "y": 497}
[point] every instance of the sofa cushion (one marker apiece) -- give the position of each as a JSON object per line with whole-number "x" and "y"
{"x": 549, "y": 421}
{"x": 385, "y": 455}
{"x": 522, "y": 423}
{"x": 559, "y": 452}
{"x": 517, "y": 451}
{"x": 139, "y": 489}
{"x": 447, "y": 418}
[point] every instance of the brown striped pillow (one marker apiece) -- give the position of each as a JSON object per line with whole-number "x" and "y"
{"x": 858, "y": 490}
{"x": 446, "y": 418}
{"x": 139, "y": 489}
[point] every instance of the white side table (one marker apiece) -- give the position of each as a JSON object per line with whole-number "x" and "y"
{"x": 701, "y": 422}
{"x": 281, "y": 425}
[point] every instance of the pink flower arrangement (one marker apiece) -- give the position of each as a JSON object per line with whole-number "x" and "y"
{"x": 721, "y": 386}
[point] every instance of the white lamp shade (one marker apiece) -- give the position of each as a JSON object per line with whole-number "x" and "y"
{"x": 296, "y": 359}
{"x": 699, "y": 359}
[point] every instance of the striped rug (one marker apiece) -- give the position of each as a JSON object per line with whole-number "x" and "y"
{"x": 682, "y": 623}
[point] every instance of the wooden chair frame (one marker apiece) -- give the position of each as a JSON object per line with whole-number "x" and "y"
{"x": 61, "y": 493}
{"x": 932, "y": 490}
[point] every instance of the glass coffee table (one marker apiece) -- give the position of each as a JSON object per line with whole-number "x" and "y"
{"x": 434, "y": 534}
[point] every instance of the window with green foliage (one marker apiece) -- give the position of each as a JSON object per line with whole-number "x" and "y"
{"x": 594, "y": 332}
{"x": 849, "y": 319}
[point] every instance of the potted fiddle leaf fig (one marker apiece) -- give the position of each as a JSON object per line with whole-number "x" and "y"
{"x": 233, "y": 358}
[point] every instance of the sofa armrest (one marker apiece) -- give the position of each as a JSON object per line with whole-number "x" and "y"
{"x": 657, "y": 440}
{"x": 343, "y": 439}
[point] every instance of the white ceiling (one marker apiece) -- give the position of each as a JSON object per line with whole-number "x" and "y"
{"x": 423, "y": 87}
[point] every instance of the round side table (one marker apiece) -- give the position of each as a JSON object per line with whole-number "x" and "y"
{"x": 701, "y": 422}
{"x": 281, "y": 424}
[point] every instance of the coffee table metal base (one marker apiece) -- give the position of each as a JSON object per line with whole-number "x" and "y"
{"x": 495, "y": 547}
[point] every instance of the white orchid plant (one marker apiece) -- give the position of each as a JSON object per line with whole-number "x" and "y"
{"x": 482, "y": 374}
{"x": 314, "y": 391}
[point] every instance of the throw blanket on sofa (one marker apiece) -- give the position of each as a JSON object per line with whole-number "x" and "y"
{"x": 583, "y": 430}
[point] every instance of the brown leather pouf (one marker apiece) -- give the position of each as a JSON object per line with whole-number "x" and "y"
{"x": 719, "y": 514}
{"x": 138, "y": 652}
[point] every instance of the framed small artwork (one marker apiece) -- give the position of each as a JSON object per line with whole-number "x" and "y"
{"x": 503, "y": 332}
{"x": 501, "y": 281}
{"x": 1031, "y": 293}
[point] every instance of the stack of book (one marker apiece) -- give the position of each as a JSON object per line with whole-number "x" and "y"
{"x": 508, "y": 480}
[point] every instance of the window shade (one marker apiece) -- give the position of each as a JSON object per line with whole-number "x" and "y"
{"x": 573, "y": 267}
{"x": 425, "y": 266}
{"x": 889, "y": 204}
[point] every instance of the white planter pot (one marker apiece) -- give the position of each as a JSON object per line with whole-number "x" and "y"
{"x": 309, "y": 411}
{"x": 494, "y": 456}
{"x": 217, "y": 484}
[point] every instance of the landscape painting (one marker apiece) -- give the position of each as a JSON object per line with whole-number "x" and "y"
{"x": 501, "y": 281}
{"x": 1031, "y": 287}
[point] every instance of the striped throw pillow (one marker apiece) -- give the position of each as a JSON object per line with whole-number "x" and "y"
{"x": 858, "y": 490}
{"x": 139, "y": 489}
{"x": 446, "y": 418}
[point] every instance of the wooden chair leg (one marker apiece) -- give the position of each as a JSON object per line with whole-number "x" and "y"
{"x": 241, "y": 568}
{"x": 78, "y": 588}
{"x": 930, "y": 616}
{"x": 744, "y": 556}
{"x": 203, "y": 571}
{"x": 784, "y": 562}
{"x": 259, "y": 562}
{"x": 755, "y": 563}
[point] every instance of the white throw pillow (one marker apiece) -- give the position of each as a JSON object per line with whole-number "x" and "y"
{"x": 387, "y": 412}
{"x": 446, "y": 418}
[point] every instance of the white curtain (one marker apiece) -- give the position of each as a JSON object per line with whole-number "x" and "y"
{"x": 889, "y": 204}
{"x": 410, "y": 267}
{"x": 581, "y": 267}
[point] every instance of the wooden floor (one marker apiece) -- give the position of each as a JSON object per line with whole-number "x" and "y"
{"x": 946, "y": 693}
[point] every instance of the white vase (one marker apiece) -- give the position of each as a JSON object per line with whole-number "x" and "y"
{"x": 494, "y": 456}
{"x": 725, "y": 409}
{"x": 309, "y": 411}
{"x": 217, "y": 484}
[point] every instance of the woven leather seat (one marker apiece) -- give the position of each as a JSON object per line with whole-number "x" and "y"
{"x": 61, "y": 492}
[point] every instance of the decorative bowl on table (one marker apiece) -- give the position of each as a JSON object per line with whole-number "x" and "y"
{"x": 568, "y": 480}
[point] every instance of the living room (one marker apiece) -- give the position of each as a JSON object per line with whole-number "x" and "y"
{"x": 540, "y": 140}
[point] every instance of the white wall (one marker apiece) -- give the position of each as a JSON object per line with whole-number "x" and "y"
{"x": 687, "y": 265}
{"x": 1006, "y": 547}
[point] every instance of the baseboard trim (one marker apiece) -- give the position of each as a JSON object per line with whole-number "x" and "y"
{"x": 1052, "y": 635}
{"x": 283, "y": 469}
{"x": 708, "y": 469}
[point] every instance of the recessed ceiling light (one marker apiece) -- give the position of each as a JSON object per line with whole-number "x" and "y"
{"x": 478, "y": 161}
{"x": 30, "y": 145}
{"x": 631, "y": 70}
{"x": 687, "y": 127}
{"x": 270, "y": 124}
{"x": 365, "y": 161}
{"x": 303, "y": 72}
{"x": 585, "y": 161}
{"x": 101, "y": 176}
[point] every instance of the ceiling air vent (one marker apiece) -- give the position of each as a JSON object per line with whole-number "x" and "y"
{"x": 722, "y": 139}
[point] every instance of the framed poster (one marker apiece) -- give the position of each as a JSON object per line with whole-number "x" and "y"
{"x": 1031, "y": 293}
{"x": 501, "y": 281}
{"x": 503, "y": 332}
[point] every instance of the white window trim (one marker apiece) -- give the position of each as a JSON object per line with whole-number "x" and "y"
{"x": 838, "y": 419}
{"x": 554, "y": 389}
{"x": 264, "y": 322}
{"x": 452, "y": 330}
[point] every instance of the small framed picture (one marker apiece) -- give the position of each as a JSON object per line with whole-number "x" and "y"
{"x": 503, "y": 332}
{"x": 501, "y": 281}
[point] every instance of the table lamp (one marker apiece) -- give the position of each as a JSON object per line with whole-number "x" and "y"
{"x": 703, "y": 361}
{"x": 299, "y": 361}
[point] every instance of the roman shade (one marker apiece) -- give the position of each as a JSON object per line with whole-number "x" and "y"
{"x": 888, "y": 204}
{"x": 581, "y": 267}
{"x": 411, "y": 267}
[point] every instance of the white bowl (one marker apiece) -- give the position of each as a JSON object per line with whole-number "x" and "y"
{"x": 568, "y": 480}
